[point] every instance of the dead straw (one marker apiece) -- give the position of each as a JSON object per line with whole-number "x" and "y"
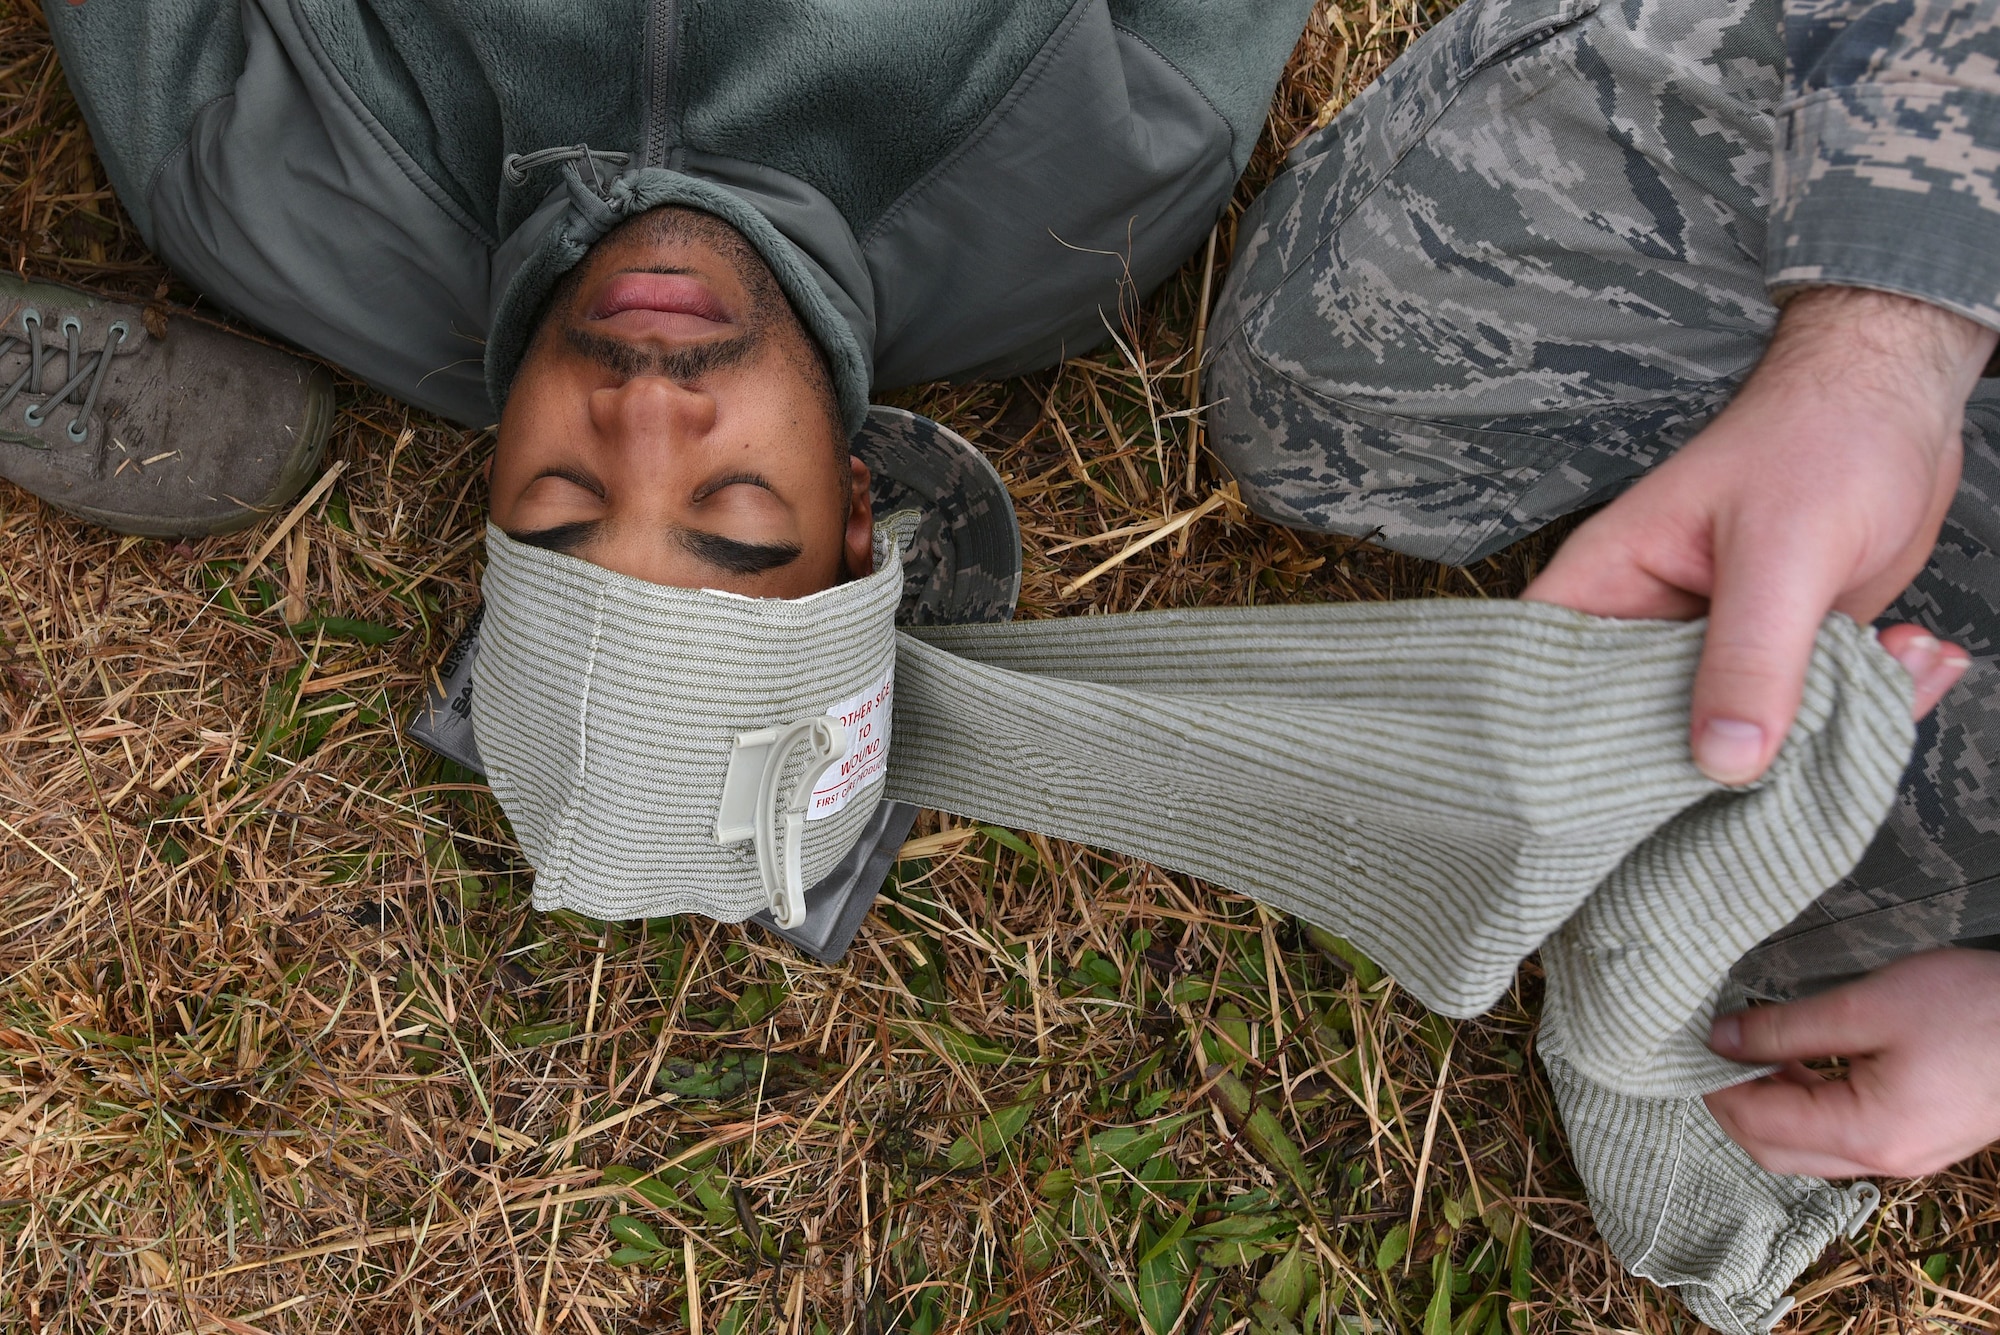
{"x": 338, "y": 1076}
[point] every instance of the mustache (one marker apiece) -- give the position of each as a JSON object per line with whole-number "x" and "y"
{"x": 682, "y": 364}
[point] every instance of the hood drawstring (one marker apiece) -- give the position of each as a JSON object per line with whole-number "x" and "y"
{"x": 595, "y": 196}
{"x": 516, "y": 166}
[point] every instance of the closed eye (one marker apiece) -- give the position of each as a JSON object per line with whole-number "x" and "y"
{"x": 708, "y": 489}
{"x": 574, "y": 476}
{"x": 564, "y": 538}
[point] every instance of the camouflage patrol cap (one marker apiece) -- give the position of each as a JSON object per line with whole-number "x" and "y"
{"x": 964, "y": 562}
{"x": 666, "y": 750}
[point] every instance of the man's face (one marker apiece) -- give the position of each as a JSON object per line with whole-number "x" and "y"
{"x": 674, "y": 422}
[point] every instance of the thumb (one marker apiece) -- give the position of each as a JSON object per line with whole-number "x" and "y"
{"x": 1839, "y": 1023}
{"x": 1764, "y": 614}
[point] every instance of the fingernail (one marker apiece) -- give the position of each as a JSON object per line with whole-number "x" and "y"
{"x": 1726, "y": 1034}
{"x": 1729, "y": 750}
{"x": 1919, "y": 656}
{"x": 1942, "y": 675}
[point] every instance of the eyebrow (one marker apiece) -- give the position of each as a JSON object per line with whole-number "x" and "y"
{"x": 564, "y": 538}
{"x": 725, "y": 554}
{"x": 738, "y": 558}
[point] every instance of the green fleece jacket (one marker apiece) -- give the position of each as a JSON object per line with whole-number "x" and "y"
{"x": 944, "y": 188}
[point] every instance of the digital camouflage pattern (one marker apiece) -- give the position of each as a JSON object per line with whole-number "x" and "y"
{"x": 1513, "y": 275}
{"x": 963, "y": 563}
{"x": 1531, "y": 261}
{"x": 1890, "y": 132}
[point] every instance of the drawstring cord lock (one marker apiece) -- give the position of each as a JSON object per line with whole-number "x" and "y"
{"x": 750, "y": 804}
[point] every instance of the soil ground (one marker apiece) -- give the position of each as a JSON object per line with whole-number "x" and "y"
{"x": 282, "y": 1047}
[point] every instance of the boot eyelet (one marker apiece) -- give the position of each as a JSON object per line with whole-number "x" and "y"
{"x": 78, "y": 432}
{"x": 34, "y": 416}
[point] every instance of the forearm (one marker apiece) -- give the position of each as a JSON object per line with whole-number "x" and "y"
{"x": 1861, "y": 344}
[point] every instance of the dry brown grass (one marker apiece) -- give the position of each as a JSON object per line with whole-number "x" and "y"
{"x": 281, "y": 1047}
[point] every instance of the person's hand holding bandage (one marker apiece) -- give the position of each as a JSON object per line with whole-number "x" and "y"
{"x": 1821, "y": 487}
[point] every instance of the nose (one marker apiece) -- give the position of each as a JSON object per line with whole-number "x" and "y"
{"x": 651, "y": 413}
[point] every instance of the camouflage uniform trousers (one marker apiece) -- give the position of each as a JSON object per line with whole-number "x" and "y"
{"x": 1520, "y": 270}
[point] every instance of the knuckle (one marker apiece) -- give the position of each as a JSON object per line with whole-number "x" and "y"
{"x": 1767, "y": 1030}
{"x": 1845, "y": 1009}
{"x": 1743, "y": 671}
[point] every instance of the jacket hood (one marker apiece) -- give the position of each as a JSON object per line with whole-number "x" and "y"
{"x": 577, "y": 214}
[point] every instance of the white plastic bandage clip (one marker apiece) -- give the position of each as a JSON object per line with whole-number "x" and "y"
{"x": 750, "y": 804}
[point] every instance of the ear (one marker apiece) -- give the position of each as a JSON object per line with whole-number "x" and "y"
{"x": 860, "y": 524}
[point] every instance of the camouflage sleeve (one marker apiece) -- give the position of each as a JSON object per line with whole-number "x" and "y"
{"x": 1887, "y": 171}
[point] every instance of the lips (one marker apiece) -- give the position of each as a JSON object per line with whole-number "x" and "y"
{"x": 674, "y": 306}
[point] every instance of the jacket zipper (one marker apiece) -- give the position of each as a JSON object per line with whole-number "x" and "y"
{"x": 662, "y": 109}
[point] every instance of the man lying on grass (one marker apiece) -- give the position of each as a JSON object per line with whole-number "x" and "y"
{"x": 1537, "y": 267}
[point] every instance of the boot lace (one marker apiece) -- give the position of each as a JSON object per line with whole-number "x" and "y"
{"x": 82, "y": 372}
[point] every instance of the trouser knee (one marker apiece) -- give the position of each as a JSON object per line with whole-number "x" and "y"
{"x": 1499, "y": 286}
{"x": 1434, "y": 490}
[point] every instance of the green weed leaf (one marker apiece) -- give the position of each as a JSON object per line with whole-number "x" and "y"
{"x": 655, "y": 1191}
{"x": 1162, "y": 1282}
{"x": 992, "y": 1134}
{"x": 1393, "y": 1246}
{"x": 961, "y": 1046}
{"x": 1167, "y": 1239}
{"x": 1261, "y": 1130}
{"x": 1293, "y": 1277}
{"x": 1008, "y": 839}
{"x": 1344, "y": 955}
{"x": 635, "y": 1233}
{"x": 346, "y": 628}
{"x": 1437, "y": 1316}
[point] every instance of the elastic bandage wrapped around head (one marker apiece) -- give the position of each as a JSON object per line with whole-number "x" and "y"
{"x": 610, "y": 712}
